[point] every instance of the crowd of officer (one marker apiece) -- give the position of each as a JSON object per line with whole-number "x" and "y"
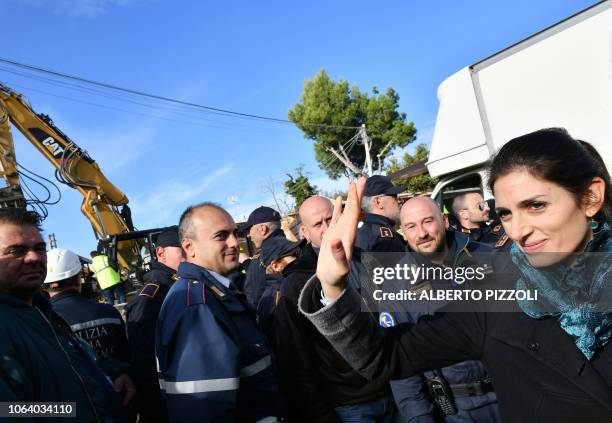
{"x": 212, "y": 337}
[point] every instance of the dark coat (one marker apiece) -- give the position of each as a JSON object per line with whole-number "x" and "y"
{"x": 214, "y": 361}
{"x": 141, "y": 316}
{"x": 41, "y": 360}
{"x": 411, "y": 397}
{"x": 100, "y": 325}
{"x": 538, "y": 373}
{"x": 377, "y": 234}
{"x": 314, "y": 378}
{"x": 255, "y": 280}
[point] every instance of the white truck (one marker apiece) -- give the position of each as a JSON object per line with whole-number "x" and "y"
{"x": 559, "y": 77}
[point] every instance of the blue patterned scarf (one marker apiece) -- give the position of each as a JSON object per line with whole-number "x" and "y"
{"x": 577, "y": 291}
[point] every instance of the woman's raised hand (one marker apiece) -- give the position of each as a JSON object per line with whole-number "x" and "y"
{"x": 337, "y": 245}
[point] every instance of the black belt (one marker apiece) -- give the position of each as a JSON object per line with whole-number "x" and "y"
{"x": 472, "y": 389}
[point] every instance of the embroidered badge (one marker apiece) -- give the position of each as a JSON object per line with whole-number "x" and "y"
{"x": 386, "y": 320}
{"x": 502, "y": 241}
{"x": 149, "y": 290}
{"x": 386, "y": 232}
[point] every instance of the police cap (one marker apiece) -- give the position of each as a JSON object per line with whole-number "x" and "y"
{"x": 380, "y": 185}
{"x": 262, "y": 214}
{"x": 278, "y": 247}
{"x": 168, "y": 238}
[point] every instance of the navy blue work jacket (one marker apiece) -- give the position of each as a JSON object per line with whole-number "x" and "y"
{"x": 214, "y": 361}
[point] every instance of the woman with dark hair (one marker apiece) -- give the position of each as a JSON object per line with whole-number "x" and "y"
{"x": 551, "y": 360}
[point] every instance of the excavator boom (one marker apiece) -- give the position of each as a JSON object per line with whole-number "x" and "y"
{"x": 74, "y": 167}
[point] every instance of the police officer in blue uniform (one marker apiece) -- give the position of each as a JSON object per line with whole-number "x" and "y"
{"x": 461, "y": 392}
{"x": 263, "y": 224}
{"x": 381, "y": 216}
{"x": 141, "y": 316}
{"x": 214, "y": 361}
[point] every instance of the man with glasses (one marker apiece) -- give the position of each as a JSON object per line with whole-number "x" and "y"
{"x": 42, "y": 360}
{"x": 471, "y": 212}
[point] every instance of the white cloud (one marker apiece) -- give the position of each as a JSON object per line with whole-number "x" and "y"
{"x": 330, "y": 186}
{"x": 78, "y": 8}
{"x": 162, "y": 204}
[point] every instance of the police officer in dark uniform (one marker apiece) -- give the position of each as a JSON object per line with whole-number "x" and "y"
{"x": 277, "y": 255}
{"x": 100, "y": 325}
{"x": 471, "y": 214}
{"x": 463, "y": 392}
{"x": 501, "y": 241}
{"x": 214, "y": 361}
{"x": 381, "y": 216}
{"x": 141, "y": 315}
{"x": 263, "y": 223}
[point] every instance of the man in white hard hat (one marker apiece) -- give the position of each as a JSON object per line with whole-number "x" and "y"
{"x": 100, "y": 325}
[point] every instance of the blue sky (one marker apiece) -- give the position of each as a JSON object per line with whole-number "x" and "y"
{"x": 250, "y": 57}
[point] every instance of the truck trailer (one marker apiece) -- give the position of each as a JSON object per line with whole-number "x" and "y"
{"x": 559, "y": 77}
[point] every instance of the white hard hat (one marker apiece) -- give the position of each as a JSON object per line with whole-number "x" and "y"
{"x": 61, "y": 264}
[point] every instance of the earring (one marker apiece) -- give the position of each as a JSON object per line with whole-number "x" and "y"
{"x": 594, "y": 224}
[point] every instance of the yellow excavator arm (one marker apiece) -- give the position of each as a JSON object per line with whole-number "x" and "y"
{"x": 74, "y": 167}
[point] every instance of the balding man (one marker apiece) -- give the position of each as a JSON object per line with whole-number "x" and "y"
{"x": 317, "y": 382}
{"x": 214, "y": 361}
{"x": 470, "y": 389}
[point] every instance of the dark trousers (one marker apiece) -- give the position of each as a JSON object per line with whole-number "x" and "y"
{"x": 109, "y": 294}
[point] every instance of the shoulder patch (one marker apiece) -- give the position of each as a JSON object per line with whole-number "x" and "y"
{"x": 504, "y": 239}
{"x": 149, "y": 290}
{"x": 217, "y": 291}
{"x": 195, "y": 293}
{"x": 496, "y": 229}
{"x": 386, "y": 232}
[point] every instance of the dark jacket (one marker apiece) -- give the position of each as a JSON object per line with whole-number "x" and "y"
{"x": 43, "y": 361}
{"x": 377, "y": 234}
{"x": 314, "y": 377}
{"x": 100, "y": 325}
{"x": 538, "y": 373}
{"x": 493, "y": 235}
{"x": 255, "y": 280}
{"x": 215, "y": 363}
{"x": 141, "y": 316}
{"x": 411, "y": 394}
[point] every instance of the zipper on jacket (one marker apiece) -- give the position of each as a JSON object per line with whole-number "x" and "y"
{"x": 91, "y": 404}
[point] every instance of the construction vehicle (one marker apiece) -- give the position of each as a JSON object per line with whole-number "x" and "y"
{"x": 559, "y": 77}
{"x": 104, "y": 205}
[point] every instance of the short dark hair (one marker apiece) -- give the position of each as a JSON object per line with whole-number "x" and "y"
{"x": 185, "y": 226}
{"x": 19, "y": 217}
{"x": 63, "y": 284}
{"x": 553, "y": 155}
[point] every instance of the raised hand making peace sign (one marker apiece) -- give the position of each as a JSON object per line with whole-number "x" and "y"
{"x": 337, "y": 245}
